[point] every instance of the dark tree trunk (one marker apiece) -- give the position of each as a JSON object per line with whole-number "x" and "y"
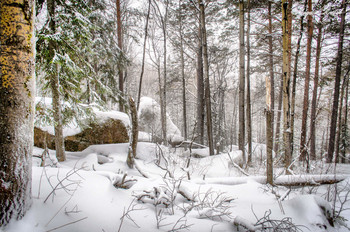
{"x": 206, "y": 78}
{"x": 333, "y": 125}
{"x": 249, "y": 114}
{"x": 55, "y": 84}
{"x": 184, "y": 110}
{"x": 200, "y": 90}
{"x": 314, "y": 93}
{"x": 120, "y": 68}
{"x": 143, "y": 54}
{"x": 17, "y": 94}
{"x": 241, "y": 133}
{"x": 272, "y": 77}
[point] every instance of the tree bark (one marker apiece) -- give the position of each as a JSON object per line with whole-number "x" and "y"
{"x": 295, "y": 73}
{"x": 333, "y": 125}
{"x": 184, "y": 110}
{"x": 200, "y": 90}
{"x": 272, "y": 77}
{"x": 287, "y": 143}
{"x": 206, "y": 78}
{"x": 17, "y": 92}
{"x": 55, "y": 86}
{"x": 241, "y": 133}
{"x": 314, "y": 93}
{"x": 303, "y": 147}
{"x": 249, "y": 110}
{"x": 278, "y": 123}
{"x": 345, "y": 123}
{"x": 269, "y": 130}
{"x": 120, "y": 68}
{"x": 133, "y": 135}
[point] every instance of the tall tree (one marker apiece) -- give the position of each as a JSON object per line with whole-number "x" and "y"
{"x": 333, "y": 125}
{"x": 55, "y": 86}
{"x": 206, "y": 76}
{"x": 249, "y": 114}
{"x": 269, "y": 130}
{"x": 286, "y": 90}
{"x": 271, "y": 72}
{"x": 303, "y": 146}
{"x": 17, "y": 93}
{"x": 143, "y": 54}
{"x": 241, "y": 112}
{"x": 315, "y": 88}
{"x": 184, "y": 109}
{"x": 120, "y": 45}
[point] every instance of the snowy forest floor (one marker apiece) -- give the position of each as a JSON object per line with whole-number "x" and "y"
{"x": 94, "y": 190}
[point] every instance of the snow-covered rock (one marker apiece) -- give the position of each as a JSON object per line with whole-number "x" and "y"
{"x": 150, "y": 121}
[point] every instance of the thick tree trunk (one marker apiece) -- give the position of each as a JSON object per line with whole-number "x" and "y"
{"x": 206, "y": 78}
{"x": 337, "y": 86}
{"x": 314, "y": 93}
{"x": 303, "y": 146}
{"x": 241, "y": 133}
{"x": 337, "y": 141}
{"x": 143, "y": 54}
{"x": 55, "y": 84}
{"x": 17, "y": 92}
{"x": 249, "y": 114}
{"x": 120, "y": 68}
{"x": 287, "y": 143}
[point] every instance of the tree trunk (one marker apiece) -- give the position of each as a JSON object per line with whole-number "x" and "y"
{"x": 120, "y": 68}
{"x": 133, "y": 135}
{"x": 278, "y": 123}
{"x": 200, "y": 90}
{"x": 295, "y": 73}
{"x": 164, "y": 121}
{"x": 269, "y": 136}
{"x": 287, "y": 143}
{"x": 55, "y": 86}
{"x": 206, "y": 78}
{"x": 184, "y": 110}
{"x": 241, "y": 133}
{"x": 272, "y": 77}
{"x": 314, "y": 93}
{"x": 303, "y": 146}
{"x": 345, "y": 123}
{"x": 143, "y": 54}
{"x": 17, "y": 92}
{"x": 249, "y": 114}
{"x": 333, "y": 125}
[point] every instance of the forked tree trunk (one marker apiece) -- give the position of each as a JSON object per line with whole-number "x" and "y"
{"x": 17, "y": 92}
{"x": 333, "y": 125}
{"x": 241, "y": 133}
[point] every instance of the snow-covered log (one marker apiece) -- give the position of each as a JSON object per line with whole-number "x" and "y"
{"x": 285, "y": 180}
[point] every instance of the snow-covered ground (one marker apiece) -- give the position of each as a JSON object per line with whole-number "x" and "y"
{"x": 80, "y": 194}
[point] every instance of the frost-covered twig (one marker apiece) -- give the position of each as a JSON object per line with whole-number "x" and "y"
{"x": 126, "y": 214}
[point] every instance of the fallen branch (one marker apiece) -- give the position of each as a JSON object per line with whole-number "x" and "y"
{"x": 59, "y": 227}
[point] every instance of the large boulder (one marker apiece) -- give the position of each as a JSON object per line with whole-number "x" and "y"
{"x": 103, "y": 128}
